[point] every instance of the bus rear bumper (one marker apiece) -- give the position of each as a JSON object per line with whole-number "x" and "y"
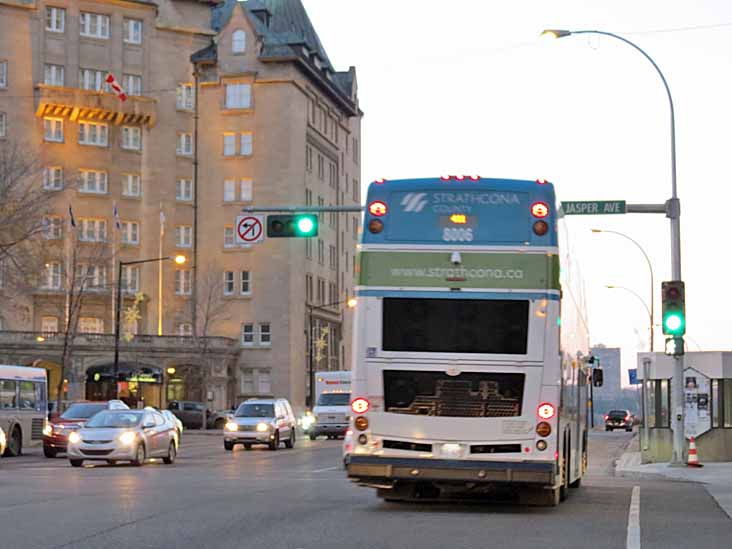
{"x": 376, "y": 470}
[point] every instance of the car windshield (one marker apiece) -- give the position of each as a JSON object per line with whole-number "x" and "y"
{"x": 83, "y": 410}
{"x": 115, "y": 420}
{"x": 255, "y": 410}
{"x": 617, "y": 413}
{"x": 334, "y": 399}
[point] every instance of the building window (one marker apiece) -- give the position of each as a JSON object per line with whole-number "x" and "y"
{"x": 94, "y": 25}
{"x": 308, "y": 288}
{"x": 3, "y": 125}
{"x": 238, "y": 41}
{"x": 247, "y": 382}
{"x": 3, "y": 74}
{"x": 184, "y": 144}
{"x": 246, "y": 190}
{"x": 49, "y": 325}
{"x": 265, "y": 334}
{"x": 130, "y": 280}
{"x": 53, "y": 129}
{"x": 130, "y": 232}
{"x": 183, "y": 236}
{"x": 321, "y": 167}
{"x": 721, "y": 403}
{"x": 309, "y": 158}
{"x": 91, "y": 325}
{"x": 229, "y": 240}
{"x": 229, "y": 190}
{"x": 356, "y": 197}
{"x": 132, "y": 84}
{"x": 93, "y": 230}
{"x": 321, "y": 252}
{"x": 245, "y": 286}
{"x": 52, "y": 227}
{"x": 658, "y": 399}
{"x": 184, "y": 190}
{"x": 131, "y": 185}
{"x": 264, "y": 383}
{"x": 228, "y": 282}
{"x": 55, "y": 19}
{"x": 332, "y": 175}
{"x": 52, "y": 276}
{"x": 308, "y": 248}
{"x": 247, "y": 334}
{"x": 246, "y": 144}
{"x": 321, "y": 291}
{"x": 93, "y": 181}
{"x": 92, "y": 79}
{"x": 93, "y": 133}
{"x": 332, "y": 257}
{"x": 238, "y": 96}
{"x": 355, "y": 150}
{"x": 183, "y": 282}
{"x": 91, "y": 276}
{"x": 53, "y": 75}
{"x": 132, "y": 31}
{"x": 185, "y": 329}
{"x": 229, "y": 144}
{"x": 131, "y": 138}
{"x": 53, "y": 178}
{"x": 184, "y": 96}
{"x": 355, "y": 227}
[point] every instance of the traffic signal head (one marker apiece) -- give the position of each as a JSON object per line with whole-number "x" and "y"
{"x": 292, "y": 225}
{"x": 674, "y": 346}
{"x": 674, "y": 314}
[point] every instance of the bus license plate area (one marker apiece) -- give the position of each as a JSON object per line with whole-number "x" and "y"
{"x": 451, "y": 450}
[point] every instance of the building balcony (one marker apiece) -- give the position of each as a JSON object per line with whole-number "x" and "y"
{"x": 74, "y": 104}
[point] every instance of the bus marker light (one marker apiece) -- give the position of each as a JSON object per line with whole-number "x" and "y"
{"x": 362, "y": 439}
{"x": 541, "y": 181}
{"x": 445, "y": 177}
{"x": 360, "y": 405}
{"x": 541, "y": 445}
{"x": 545, "y": 411}
{"x": 475, "y": 177}
{"x": 380, "y": 181}
{"x": 459, "y": 219}
{"x": 377, "y": 208}
{"x": 361, "y": 423}
{"x": 460, "y": 177}
{"x": 543, "y": 429}
{"x": 541, "y": 228}
{"x": 376, "y": 226}
{"x": 539, "y": 209}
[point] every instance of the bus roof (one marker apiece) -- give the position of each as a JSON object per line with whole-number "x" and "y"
{"x": 460, "y": 210}
{"x": 22, "y": 373}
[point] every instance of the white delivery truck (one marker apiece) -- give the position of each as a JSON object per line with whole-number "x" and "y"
{"x": 332, "y": 404}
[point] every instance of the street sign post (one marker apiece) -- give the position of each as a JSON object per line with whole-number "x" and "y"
{"x": 593, "y": 207}
{"x": 249, "y": 229}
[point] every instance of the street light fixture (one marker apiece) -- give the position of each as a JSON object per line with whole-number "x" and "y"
{"x": 178, "y": 259}
{"x": 673, "y": 208}
{"x": 351, "y": 302}
{"x": 650, "y": 268}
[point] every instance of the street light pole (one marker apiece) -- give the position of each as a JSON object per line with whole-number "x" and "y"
{"x": 650, "y": 269}
{"x": 179, "y": 259}
{"x": 673, "y": 210}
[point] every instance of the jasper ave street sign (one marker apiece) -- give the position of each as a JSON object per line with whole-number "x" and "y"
{"x": 591, "y": 207}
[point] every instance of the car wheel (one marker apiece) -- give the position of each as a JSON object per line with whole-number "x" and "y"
{"x": 608, "y": 429}
{"x": 313, "y": 436}
{"x": 49, "y": 452}
{"x": 229, "y": 445}
{"x": 170, "y": 458}
{"x": 15, "y": 444}
{"x": 111, "y": 462}
{"x": 291, "y": 441}
{"x": 275, "y": 442}
{"x": 247, "y": 445}
{"x": 139, "y": 455}
{"x": 629, "y": 429}
{"x": 219, "y": 424}
{"x": 76, "y": 462}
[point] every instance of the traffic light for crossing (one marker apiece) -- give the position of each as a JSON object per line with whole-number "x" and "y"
{"x": 674, "y": 346}
{"x": 292, "y": 225}
{"x": 674, "y": 314}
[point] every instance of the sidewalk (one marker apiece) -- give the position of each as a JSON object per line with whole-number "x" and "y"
{"x": 716, "y": 477}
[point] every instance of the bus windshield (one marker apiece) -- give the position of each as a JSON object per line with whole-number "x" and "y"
{"x": 334, "y": 399}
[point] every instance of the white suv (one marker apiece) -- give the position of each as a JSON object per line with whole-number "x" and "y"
{"x": 267, "y": 421}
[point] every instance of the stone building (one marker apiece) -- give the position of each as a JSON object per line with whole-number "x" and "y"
{"x": 229, "y": 104}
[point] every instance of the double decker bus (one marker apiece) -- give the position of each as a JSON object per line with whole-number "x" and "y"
{"x": 470, "y": 366}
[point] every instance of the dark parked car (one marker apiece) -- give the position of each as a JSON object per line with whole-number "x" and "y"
{"x": 619, "y": 419}
{"x": 189, "y": 412}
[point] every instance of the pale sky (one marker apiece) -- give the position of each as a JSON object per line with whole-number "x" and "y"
{"x": 466, "y": 86}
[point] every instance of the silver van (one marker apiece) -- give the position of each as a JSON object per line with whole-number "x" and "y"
{"x": 267, "y": 421}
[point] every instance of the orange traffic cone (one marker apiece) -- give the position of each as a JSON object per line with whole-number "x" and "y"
{"x": 693, "y": 460}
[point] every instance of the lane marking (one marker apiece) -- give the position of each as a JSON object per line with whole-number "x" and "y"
{"x": 633, "y": 539}
{"x": 326, "y": 469}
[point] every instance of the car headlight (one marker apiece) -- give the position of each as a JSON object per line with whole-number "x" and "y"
{"x": 74, "y": 437}
{"x": 262, "y": 427}
{"x": 127, "y": 438}
{"x": 3, "y": 440}
{"x": 47, "y": 430}
{"x": 231, "y": 426}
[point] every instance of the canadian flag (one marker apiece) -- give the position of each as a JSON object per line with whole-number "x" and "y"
{"x": 112, "y": 81}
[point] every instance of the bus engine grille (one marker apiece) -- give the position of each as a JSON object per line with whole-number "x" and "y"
{"x": 466, "y": 395}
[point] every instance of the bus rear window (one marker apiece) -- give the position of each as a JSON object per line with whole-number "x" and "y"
{"x": 455, "y": 325}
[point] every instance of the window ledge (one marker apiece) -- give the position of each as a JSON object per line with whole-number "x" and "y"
{"x": 230, "y": 111}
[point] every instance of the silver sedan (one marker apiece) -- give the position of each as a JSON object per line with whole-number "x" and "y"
{"x": 124, "y": 435}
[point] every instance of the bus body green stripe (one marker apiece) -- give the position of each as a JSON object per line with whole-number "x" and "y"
{"x": 520, "y": 271}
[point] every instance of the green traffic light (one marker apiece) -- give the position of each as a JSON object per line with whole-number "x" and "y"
{"x": 674, "y": 323}
{"x": 305, "y": 225}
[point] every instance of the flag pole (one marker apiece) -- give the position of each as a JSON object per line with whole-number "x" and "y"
{"x": 160, "y": 271}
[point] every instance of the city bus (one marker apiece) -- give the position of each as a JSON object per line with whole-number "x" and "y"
{"x": 23, "y": 406}
{"x": 471, "y": 359}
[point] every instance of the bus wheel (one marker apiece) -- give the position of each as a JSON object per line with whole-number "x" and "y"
{"x": 15, "y": 444}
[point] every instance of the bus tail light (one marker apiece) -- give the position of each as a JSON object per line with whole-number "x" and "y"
{"x": 543, "y": 429}
{"x": 545, "y": 411}
{"x": 376, "y": 226}
{"x": 541, "y": 228}
{"x": 360, "y": 405}
{"x": 539, "y": 209}
{"x": 378, "y": 208}
{"x": 380, "y": 181}
{"x": 361, "y": 423}
{"x": 541, "y": 181}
